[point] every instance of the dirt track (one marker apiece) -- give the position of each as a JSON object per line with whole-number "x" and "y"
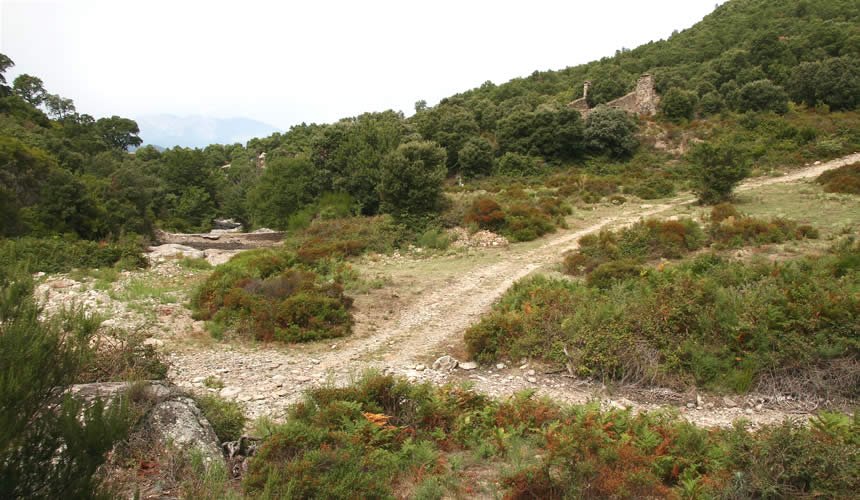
{"x": 416, "y": 329}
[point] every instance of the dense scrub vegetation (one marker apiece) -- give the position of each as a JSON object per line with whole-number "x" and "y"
{"x": 385, "y": 438}
{"x": 713, "y": 322}
{"x": 270, "y": 295}
{"x": 616, "y": 254}
{"x": 842, "y": 180}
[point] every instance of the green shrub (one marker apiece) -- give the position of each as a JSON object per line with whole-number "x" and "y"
{"x": 737, "y": 230}
{"x": 717, "y": 170}
{"x": 712, "y": 322}
{"x": 609, "y": 273}
{"x": 517, "y": 165}
{"x": 844, "y": 179}
{"x": 268, "y": 295}
{"x": 195, "y": 264}
{"x": 339, "y": 238}
{"x": 227, "y": 418}
{"x": 372, "y": 438}
{"x": 678, "y": 105}
{"x": 434, "y": 238}
{"x": 646, "y": 239}
{"x": 57, "y": 255}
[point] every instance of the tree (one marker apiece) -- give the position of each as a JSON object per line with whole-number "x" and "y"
{"x": 711, "y": 103}
{"x": 611, "y": 131}
{"x": 762, "y": 95}
{"x": 834, "y": 81}
{"x": 5, "y": 63}
{"x": 411, "y": 179}
{"x": 517, "y": 165}
{"x": 718, "y": 169}
{"x": 678, "y": 104}
{"x": 119, "y": 133}
{"x": 281, "y": 191}
{"x": 476, "y": 157}
{"x": 58, "y": 107}
{"x": 29, "y": 88}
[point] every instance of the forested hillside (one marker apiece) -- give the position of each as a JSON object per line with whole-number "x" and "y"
{"x": 763, "y": 83}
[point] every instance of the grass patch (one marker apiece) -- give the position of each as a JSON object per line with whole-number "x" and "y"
{"x": 227, "y": 418}
{"x": 192, "y": 264}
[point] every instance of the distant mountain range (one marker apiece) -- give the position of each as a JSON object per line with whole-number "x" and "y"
{"x": 199, "y": 131}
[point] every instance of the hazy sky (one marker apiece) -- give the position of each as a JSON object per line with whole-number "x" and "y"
{"x": 285, "y": 62}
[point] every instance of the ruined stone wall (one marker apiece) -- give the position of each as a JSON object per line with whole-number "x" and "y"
{"x": 580, "y": 105}
{"x": 642, "y": 101}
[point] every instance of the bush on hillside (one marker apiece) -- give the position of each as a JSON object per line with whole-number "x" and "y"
{"x": 611, "y": 131}
{"x": 678, "y": 105}
{"x": 646, "y": 239}
{"x": 844, "y": 179}
{"x": 268, "y": 295}
{"x": 718, "y": 169}
{"x": 58, "y": 255}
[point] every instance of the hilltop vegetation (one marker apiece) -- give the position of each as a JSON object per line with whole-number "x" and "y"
{"x": 769, "y": 82}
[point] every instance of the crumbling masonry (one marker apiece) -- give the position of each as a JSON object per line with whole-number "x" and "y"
{"x": 642, "y": 101}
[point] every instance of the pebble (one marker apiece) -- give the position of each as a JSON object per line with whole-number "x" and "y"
{"x": 469, "y": 365}
{"x": 229, "y": 392}
{"x": 532, "y": 380}
{"x": 530, "y": 372}
{"x": 500, "y": 366}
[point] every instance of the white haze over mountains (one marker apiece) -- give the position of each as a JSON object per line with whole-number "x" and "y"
{"x": 199, "y": 131}
{"x": 288, "y": 62}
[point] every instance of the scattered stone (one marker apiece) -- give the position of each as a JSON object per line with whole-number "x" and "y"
{"x": 153, "y": 342}
{"x": 748, "y": 411}
{"x": 533, "y": 380}
{"x": 691, "y": 405}
{"x": 315, "y": 361}
{"x": 198, "y": 380}
{"x": 759, "y": 407}
{"x": 500, "y": 366}
{"x": 161, "y": 253}
{"x": 420, "y": 367}
{"x": 229, "y": 392}
{"x": 303, "y": 379}
{"x": 469, "y": 365}
{"x": 729, "y": 402}
{"x": 530, "y": 372}
{"x": 445, "y": 364}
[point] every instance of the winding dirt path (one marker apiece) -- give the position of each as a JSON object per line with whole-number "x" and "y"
{"x": 413, "y": 331}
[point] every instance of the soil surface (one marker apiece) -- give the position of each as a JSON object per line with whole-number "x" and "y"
{"x": 419, "y": 315}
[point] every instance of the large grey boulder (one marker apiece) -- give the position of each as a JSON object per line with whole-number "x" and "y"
{"x": 179, "y": 421}
{"x": 161, "y": 253}
{"x": 173, "y": 420}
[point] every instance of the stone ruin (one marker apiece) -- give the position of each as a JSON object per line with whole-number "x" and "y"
{"x": 642, "y": 101}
